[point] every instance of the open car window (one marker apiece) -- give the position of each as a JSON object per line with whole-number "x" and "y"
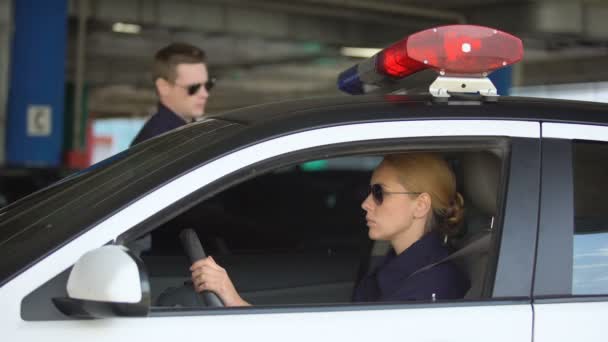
{"x": 297, "y": 234}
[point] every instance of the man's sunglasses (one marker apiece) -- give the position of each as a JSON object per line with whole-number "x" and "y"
{"x": 192, "y": 89}
{"x": 378, "y": 193}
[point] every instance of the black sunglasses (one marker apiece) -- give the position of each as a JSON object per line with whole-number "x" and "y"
{"x": 378, "y": 193}
{"x": 194, "y": 88}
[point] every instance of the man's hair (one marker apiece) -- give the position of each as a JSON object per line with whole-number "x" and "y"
{"x": 167, "y": 59}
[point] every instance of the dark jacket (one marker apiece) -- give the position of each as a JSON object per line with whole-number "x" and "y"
{"x": 164, "y": 120}
{"x": 394, "y": 280}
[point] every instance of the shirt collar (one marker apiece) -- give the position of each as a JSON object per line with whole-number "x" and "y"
{"x": 396, "y": 268}
{"x": 167, "y": 113}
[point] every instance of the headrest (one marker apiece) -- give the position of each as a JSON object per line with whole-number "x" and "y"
{"x": 481, "y": 175}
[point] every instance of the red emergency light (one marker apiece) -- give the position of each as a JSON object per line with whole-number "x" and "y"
{"x": 454, "y": 50}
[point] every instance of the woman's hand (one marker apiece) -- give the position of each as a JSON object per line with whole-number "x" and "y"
{"x": 207, "y": 275}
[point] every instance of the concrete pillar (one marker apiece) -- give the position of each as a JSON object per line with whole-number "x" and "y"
{"x": 502, "y": 79}
{"x": 36, "y": 94}
{"x": 6, "y": 33}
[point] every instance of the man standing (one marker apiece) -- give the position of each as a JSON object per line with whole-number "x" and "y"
{"x": 182, "y": 84}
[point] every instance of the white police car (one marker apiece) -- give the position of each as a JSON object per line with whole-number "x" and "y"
{"x": 274, "y": 193}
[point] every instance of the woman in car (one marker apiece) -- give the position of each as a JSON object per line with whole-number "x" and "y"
{"x": 412, "y": 203}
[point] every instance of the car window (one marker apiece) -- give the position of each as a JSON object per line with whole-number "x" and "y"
{"x": 590, "y": 253}
{"x": 297, "y": 235}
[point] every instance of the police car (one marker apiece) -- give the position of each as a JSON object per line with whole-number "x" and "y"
{"x": 273, "y": 192}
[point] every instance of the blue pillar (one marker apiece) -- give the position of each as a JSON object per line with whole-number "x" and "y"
{"x": 502, "y": 79}
{"x": 37, "y": 80}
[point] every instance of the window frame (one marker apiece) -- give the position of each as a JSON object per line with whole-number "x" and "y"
{"x": 553, "y": 272}
{"x": 517, "y": 248}
{"x": 406, "y": 130}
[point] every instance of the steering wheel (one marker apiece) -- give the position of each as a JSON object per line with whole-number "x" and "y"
{"x": 194, "y": 250}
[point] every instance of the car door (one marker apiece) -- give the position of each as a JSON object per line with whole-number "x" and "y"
{"x": 571, "y": 280}
{"x": 506, "y": 315}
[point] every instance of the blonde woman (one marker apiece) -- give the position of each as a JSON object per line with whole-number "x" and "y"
{"x": 412, "y": 203}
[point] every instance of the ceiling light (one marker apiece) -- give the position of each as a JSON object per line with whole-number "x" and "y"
{"x": 126, "y": 28}
{"x": 358, "y": 52}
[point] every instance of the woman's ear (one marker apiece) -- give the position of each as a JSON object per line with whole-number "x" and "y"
{"x": 423, "y": 205}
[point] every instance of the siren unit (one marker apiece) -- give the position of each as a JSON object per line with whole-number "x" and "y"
{"x": 462, "y": 55}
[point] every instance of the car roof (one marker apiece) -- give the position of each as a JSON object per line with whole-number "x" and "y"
{"x": 342, "y": 109}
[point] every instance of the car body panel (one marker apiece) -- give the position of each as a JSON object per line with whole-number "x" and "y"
{"x": 575, "y": 131}
{"x": 357, "y": 324}
{"x": 258, "y": 135}
{"x": 583, "y": 321}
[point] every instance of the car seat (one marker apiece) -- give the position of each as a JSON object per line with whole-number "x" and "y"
{"x": 481, "y": 175}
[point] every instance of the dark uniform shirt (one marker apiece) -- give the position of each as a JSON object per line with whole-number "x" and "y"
{"x": 164, "y": 120}
{"x": 394, "y": 279}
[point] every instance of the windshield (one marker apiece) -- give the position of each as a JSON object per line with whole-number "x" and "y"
{"x": 41, "y": 222}
{"x": 60, "y": 185}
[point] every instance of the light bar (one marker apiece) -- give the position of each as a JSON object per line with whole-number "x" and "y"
{"x": 454, "y": 50}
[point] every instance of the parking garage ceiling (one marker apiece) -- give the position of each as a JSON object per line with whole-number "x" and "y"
{"x": 267, "y": 50}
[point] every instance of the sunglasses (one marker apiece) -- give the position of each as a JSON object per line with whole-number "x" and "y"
{"x": 192, "y": 89}
{"x": 378, "y": 193}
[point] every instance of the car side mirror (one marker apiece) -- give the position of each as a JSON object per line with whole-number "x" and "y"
{"x": 107, "y": 282}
